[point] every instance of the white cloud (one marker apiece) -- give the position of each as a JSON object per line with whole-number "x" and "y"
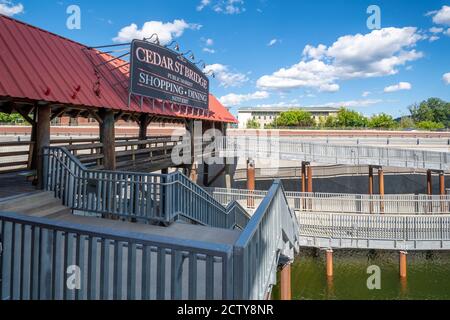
{"x": 441, "y": 16}
{"x": 273, "y": 42}
{"x": 446, "y": 78}
{"x": 209, "y": 50}
{"x": 447, "y": 32}
{"x": 349, "y": 104}
{"x": 232, "y": 99}
{"x": 433, "y": 38}
{"x": 311, "y": 52}
{"x": 225, "y": 76}
{"x": 223, "y": 6}
{"x": 376, "y": 54}
{"x": 203, "y": 4}
{"x": 10, "y": 9}
{"x": 167, "y": 31}
{"x": 337, "y": 104}
{"x": 436, "y": 30}
{"x": 209, "y": 42}
{"x": 366, "y": 94}
{"x": 398, "y": 87}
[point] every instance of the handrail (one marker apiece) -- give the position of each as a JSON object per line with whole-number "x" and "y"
{"x": 271, "y": 233}
{"x": 143, "y": 197}
{"x": 346, "y": 203}
{"x": 279, "y": 148}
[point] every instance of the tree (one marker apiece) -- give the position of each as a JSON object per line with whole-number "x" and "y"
{"x": 350, "y": 119}
{"x": 295, "y": 118}
{"x": 430, "y": 125}
{"x": 407, "y": 123}
{"x": 382, "y": 121}
{"x": 331, "y": 122}
{"x": 10, "y": 118}
{"x": 253, "y": 124}
{"x": 431, "y": 110}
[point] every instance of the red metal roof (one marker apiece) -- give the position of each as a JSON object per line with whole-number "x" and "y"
{"x": 38, "y": 65}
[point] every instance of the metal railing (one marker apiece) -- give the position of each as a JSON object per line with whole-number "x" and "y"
{"x": 272, "y": 233}
{"x": 46, "y": 259}
{"x": 374, "y": 231}
{"x": 288, "y": 149}
{"x": 344, "y": 203}
{"x": 137, "y": 196}
{"x": 53, "y": 260}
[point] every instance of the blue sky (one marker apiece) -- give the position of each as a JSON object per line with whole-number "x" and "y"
{"x": 274, "y": 52}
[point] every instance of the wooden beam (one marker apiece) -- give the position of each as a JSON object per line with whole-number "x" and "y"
{"x": 59, "y": 112}
{"x": 95, "y": 115}
{"x": 42, "y": 140}
{"x": 107, "y": 138}
{"x": 25, "y": 115}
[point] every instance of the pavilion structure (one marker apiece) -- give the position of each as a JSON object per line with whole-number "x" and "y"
{"x": 44, "y": 76}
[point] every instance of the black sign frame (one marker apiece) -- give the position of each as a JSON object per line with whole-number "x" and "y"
{"x": 158, "y": 72}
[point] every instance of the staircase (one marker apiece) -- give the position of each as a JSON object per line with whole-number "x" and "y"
{"x": 36, "y": 204}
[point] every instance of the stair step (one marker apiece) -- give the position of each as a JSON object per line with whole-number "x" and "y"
{"x": 18, "y": 200}
{"x": 44, "y": 210}
{"x": 30, "y": 202}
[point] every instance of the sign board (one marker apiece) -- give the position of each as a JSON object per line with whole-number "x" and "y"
{"x": 160, "y": 73}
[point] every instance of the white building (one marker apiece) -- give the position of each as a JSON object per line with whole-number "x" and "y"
{"x": 266, "y": 115}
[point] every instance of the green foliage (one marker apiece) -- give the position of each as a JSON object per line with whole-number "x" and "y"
{"x": 407, "y": 123}
{"x": 12, "y": 118}
{"x": 382, "y": 121}
{"x": 431, "y": 110}
{"x": 430, "y": 125}
{"x": 350, "y": 119}
{"x": 331, "y": 122}
{"x": 253, "y": 124}
{"x": 295, "y": 118}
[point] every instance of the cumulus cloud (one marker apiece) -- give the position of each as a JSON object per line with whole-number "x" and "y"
{"x": 209, "y": 50}
{"x": 376, "y": 54}
{"x": 433, "y": 38}
{"x": 446, "y": 78}
{"x": 441, "y": 16}
{"x": 226, "y": 77}
{"x": 203, "y": 4}
{"x": 366, "y": 94}
{"x": 166, "y": 31}
{"x": 336, "y": 104}
{"x": 398, "y": 87}
{"x": 233, "y": 99}
{"x": 223, "y": 6}
{"x": 436, "y": 30}
{"x": 273, "y": 42}
{"x": 10, "y": 9}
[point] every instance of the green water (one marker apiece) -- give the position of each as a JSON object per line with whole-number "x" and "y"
{"x": 428, "y": 276}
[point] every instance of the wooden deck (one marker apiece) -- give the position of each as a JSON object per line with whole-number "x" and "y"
{"x": 12, "y": 184}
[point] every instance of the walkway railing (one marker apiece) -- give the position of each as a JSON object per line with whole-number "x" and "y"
{"x": 344, "y": 203}
{"x": 288, "y": 149}
{"x": 389, "y": 232}
{"x": 50, "y": 259}
{"x": 271, "y": 233}
{"x": 137, "y": 196}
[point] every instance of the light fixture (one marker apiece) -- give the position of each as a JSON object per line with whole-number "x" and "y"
{"x": 203, "y": 64}
{"x": 210, "y": 73}
{"x": 150, "y": 38}
{"x": 192, "y": 57}
{"x": 177, "y": 47}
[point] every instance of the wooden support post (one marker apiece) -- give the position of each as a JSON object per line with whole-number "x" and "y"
{"x": 32, "y": 160}
{"x": 370, "y": 188}
{"x": 403, "y": 264}
{"x": 205, "y": 174}
{"x": 442, "y": 191}
{"x": 250, "y": 182}
{"x": 304, "y": 183}
{"x": 42, "y": 140}
{"x": 286, "y": 292}
{"x": 329, "y": 263}
{"x": 107, "y": 138}
{"x": 143, "y": 122}
{"x": 165, "y": 171}
{"x": 381, "y": 188}
{"x": 429, "y": 183}
{"x": 310, "y": 185}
